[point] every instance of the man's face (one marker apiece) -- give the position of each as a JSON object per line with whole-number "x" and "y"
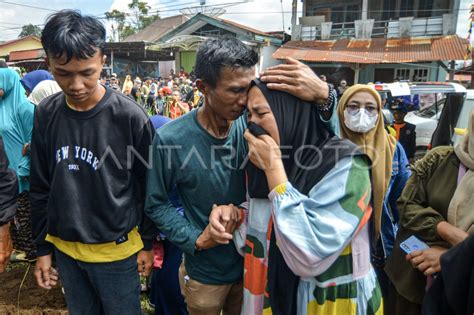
{"x": 228, "y": 99}
{"x": 77, "y": 78}
{"x": 399, "y": 116}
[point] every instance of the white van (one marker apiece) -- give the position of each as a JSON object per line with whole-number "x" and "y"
{"x": 452, "y": 118}
{"x": 447, "y": 95}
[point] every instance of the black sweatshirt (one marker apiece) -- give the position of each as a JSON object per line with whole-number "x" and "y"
{"x": 88, "y": 171}
{"x": 8, "y": 188}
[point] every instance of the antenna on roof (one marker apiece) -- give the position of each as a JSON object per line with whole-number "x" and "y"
{"x": 207, "y": 10}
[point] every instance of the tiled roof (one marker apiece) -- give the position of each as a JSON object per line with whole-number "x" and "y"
{"x": 376, "y": 50}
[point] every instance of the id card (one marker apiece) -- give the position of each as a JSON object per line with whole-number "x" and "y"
{"x": 411, "y": 244}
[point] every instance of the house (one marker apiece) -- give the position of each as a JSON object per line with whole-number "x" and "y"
{"x": 365, "y": 41}
{"x": 24, "y": 52}
{"x": 132, "y": 56}
{"x": 180, "y": 42}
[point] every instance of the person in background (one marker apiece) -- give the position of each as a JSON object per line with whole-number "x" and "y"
{"x": 435, "y": 207}
{"x": 145, "y": 89}
{"x": 136, "y": 95}
{"x": 341, "y": 88}
{"x": 43, "y": 90}
{"x": 452, "y": 291}
{"x": 182, "y": 73}
{"x": 31, "y": 79}
{"x": 137, "y": 83}
{"x": 176, "y": 107}
{"x": 8, "y": 206}
{"x": 16, "y": 125}
{"x": 360, "y": 114}
{"x": 165, "y": 294}
{"x": 406, "y": 132}
{"x": 127, "y": 85}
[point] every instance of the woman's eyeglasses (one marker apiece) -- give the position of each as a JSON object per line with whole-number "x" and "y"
{"x": 354, "y": 110}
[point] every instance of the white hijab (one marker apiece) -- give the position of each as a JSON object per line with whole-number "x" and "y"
{"x": 43, "y": 90}
{"x": 461, "y": 207}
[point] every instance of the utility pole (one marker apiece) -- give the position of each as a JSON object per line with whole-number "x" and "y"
{"x": 282, "y": 15}
{"x": 294, "y": 12}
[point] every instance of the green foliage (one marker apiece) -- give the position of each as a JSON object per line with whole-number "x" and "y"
{"x": 30, "y": 29}
{"x": 129, "y": 23}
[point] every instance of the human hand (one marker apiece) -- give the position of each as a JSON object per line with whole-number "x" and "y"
{"x": 205, "y": 240}
{"x": 298, "y": 79}
{"x": 144, "y": 262}
{"x": 427, "y": 260}
{"x": 6, "y": 246}
{"x": 46, "y": 276}
{"x": 264, "y": 152}
{"x": 222, "y": 221}
{"x": 26, "y": 149}
{"x": 266, "y": 155}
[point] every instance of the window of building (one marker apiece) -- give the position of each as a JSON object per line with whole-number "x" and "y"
{"x": 424, "y": 8}
{"x": 411, "y": 74}
{"x": 406, "y": 8}
{"x": 389, "y": 10}
{"x": 336, "y": 13}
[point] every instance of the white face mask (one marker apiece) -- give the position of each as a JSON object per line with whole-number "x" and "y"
{"x": 359, "y": 122}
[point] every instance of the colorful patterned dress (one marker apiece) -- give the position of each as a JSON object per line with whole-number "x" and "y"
{"x": 323, "y": 238}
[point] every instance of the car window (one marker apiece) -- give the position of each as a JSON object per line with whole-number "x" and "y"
{"x": 466, "y": 110}
{"x": 432, "y": 110}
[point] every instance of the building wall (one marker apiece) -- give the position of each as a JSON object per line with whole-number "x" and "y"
{"x": 26, "y": 44}
{"x": 435, "y": 73}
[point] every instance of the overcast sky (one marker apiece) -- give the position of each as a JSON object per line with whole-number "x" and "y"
{"x": 264, "y": 15}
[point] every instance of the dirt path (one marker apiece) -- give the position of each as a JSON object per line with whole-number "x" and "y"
{"x": 33, "y": 300}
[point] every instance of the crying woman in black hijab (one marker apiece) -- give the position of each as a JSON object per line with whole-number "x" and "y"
{"x": 312, "y": 197}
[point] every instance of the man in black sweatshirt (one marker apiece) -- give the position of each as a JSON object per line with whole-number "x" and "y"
{"x": 88, "y": 168}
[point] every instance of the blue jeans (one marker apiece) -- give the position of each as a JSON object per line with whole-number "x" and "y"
{"x": 100, "y": 288}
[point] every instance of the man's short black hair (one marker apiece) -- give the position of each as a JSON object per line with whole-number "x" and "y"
{"x": 3, "y": 64}
{"x": 75, "y": 35}
{"x": 217, "y": 53}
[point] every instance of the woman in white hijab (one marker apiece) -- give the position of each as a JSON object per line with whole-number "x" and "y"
{"x": 43, "y": 90}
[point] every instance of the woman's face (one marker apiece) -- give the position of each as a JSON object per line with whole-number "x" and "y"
{"x": 260, "y": 113}
{"x": 365, "y": 100}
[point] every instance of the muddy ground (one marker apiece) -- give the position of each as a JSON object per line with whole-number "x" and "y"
{"x": 32, "y": 300}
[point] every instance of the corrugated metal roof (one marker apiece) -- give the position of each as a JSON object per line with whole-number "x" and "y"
{"x": 376, "y": 50}
{"x": 26, "y": 54}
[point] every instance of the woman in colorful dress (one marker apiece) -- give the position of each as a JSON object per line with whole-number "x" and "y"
{"x": 305, "y": 234}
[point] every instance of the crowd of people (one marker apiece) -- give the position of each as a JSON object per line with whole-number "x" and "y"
{"x": 239, "y": 195}
{"x": 171, "y": 97}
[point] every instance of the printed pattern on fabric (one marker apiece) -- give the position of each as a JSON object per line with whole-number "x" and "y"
{"x": 335, "y": 271}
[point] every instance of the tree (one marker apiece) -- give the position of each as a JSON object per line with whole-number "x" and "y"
{"x": 30, "y": 29}
{"x": 140, "y": 18}
{"x": 118, "y": 19}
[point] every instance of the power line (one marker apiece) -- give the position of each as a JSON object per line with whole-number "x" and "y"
{"x": 29, "y": 6}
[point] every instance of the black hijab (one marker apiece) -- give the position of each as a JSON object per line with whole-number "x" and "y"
{"x": 299, "y": 126}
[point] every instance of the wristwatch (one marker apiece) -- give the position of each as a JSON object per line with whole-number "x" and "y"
{"x": 326, "y": 106}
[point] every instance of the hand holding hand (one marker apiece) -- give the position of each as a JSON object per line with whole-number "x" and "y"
{"x": 223, "y": 220}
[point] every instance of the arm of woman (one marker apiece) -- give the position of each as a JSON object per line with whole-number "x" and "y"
{"x": 313, "y": 230}
{"x": 416, "y": 214}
